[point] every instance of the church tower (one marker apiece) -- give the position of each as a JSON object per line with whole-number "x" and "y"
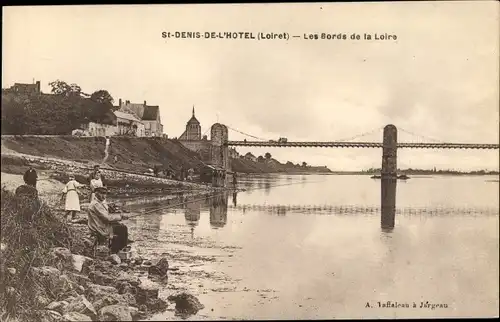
{"x": 193, "y": 129}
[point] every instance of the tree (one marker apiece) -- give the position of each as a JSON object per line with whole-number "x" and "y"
{"x": 268, "y": 155}
{"x": 64, "y": 89}
{"x": 102, "y": 97}
{"x": 260, "y": 158}
{"x": 304, "y": 164}
{"x": 290, "y": 164}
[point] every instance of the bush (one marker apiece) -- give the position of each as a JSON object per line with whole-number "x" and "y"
{"x": 28, "y": 230}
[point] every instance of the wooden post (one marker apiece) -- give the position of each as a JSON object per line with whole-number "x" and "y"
{"x": 389, "y": 176}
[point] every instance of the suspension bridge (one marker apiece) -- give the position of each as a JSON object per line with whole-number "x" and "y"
{"x": 389, "y": 145}
{"x": 348, "y": 143}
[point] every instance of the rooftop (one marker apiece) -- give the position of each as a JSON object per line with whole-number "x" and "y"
{"x": 127, "y": 116}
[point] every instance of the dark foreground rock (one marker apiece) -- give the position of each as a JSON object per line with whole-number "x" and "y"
{"x": 186, "y": 304}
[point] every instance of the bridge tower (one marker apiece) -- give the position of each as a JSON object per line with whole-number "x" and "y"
{"x": 389, "y": 177}
{"x": 220, "y": 150}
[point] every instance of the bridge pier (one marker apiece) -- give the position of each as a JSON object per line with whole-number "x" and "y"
{"x": 389, "y": 177}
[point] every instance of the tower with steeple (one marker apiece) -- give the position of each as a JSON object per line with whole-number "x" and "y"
{"x": 193, "y": 129}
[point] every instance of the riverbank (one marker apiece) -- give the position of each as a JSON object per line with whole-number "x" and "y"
{"x": 62, "y": 277}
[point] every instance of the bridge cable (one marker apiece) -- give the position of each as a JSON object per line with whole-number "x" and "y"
{"x": 420, "y": 136}
{"x": 255, "y": 137}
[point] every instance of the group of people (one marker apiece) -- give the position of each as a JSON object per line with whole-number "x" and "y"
{"x": 106, "y": 227}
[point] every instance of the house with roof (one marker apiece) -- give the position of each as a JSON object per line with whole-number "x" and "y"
{"x": 129, "y": 124}
{"x": 149, "y": 115}
{"x": 21, "y": 88}
{"x": 249, "y": 156}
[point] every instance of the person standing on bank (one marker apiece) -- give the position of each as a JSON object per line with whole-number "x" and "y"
{"x": 97, "y": 168}
{"x": 72, "y": 204}
{"x": 105, "y": 225}
{"x": 95, "y": 182}
{"x": 30, "y": 177}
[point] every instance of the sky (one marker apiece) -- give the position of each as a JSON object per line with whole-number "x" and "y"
{"x": 439, "y": 79}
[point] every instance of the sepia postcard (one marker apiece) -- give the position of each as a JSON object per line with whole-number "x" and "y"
{"x": 250, "y": 161}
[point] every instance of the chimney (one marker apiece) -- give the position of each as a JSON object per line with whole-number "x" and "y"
{"x": 144, "y": 103}
{"x": 38, "y": 86}
{"x": 120, "y": 102}
{"x": 127, "y": 102}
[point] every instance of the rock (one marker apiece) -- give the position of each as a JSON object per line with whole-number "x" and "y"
{"x": 129, "y": 278}
{"x": 61, "y": 258}
{"x": 124, "y": 266}
{"x": 186, "y": 303}
{"x": 11, "y": 270}
{"x": 160, "y": 269}
{"x": 83, "y": 306}
{"x": 138, "y": 261}
{"x": 145, "y": 291}
{"x": 100, "y": 278}
{"x": 58, "y": 306}
{"x": 80, "y": 261}
{"x": 49, "y": 316}
{"x": 80, "y": 289}
{"x": 146, "y": 263}
{"x": 156, "y": 305}
{"x": 95, "y": 291}
{"x": 76, "y": 317}
{"x": 116, "y": 313}
{"x": 126, "y": 299}
{"x": 115, "y": 259}
{"x": 138, "y": 315}
{"x": 65, "y": 285}
{"x": 80, "y": 279}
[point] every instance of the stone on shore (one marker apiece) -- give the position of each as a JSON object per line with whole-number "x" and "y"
{"x": 76, "y": 317}
{"x": 115, "y": 259}
{"x": 61, "y": 258}
{"x": 81, "y": 305}
{"x": 160, "y": 269}
{"x": 58, "y": 306}
{"x": 117, "y": 313}
{"x": 79, "y": 261}
{"x": 49, "y": 316}
{"x": 186, "y": 303}
{"x": 146, "y": 291}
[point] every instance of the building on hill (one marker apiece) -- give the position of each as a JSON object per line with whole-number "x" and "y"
{"x": 149, "y": 115}
{"x": 21, "y": 88}
{"x": 193, "y": 130}
{"x": 129, "y": 124}
{"x": 191, "y": 138}
{"x": 122, "y": 124}
{"x": 249, "y": 156}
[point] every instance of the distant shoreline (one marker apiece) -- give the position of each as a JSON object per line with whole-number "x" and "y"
{"x": 369, "y": 174}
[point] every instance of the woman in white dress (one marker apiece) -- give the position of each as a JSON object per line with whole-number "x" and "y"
{"x": 95, "y": 183}
{"x": 72, "y": 205}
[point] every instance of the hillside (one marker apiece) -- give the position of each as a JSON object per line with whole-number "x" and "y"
{"x": 134, "y": 154}
{"x": 272, "y": 166}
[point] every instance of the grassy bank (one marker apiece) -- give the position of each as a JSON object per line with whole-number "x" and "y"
{"x": 133, "y": 154}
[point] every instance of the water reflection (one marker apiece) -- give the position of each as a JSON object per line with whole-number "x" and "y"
{"x": 235, "y": 195}
{"x": 192, "y": 213}
{"x": 218, "y": 210}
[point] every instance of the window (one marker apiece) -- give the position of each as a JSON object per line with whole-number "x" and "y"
{"x": 148, "y": 125}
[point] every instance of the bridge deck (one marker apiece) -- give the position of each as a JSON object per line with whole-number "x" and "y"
{"x": 365, "y": 145}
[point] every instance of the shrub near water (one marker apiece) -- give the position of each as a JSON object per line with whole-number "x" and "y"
{"x": 28, "y": 230}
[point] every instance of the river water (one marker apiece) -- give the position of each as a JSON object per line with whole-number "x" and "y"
{"x": 311, "y": 247}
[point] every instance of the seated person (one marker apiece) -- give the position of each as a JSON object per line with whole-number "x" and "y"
{"x": 106, "y": 225}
